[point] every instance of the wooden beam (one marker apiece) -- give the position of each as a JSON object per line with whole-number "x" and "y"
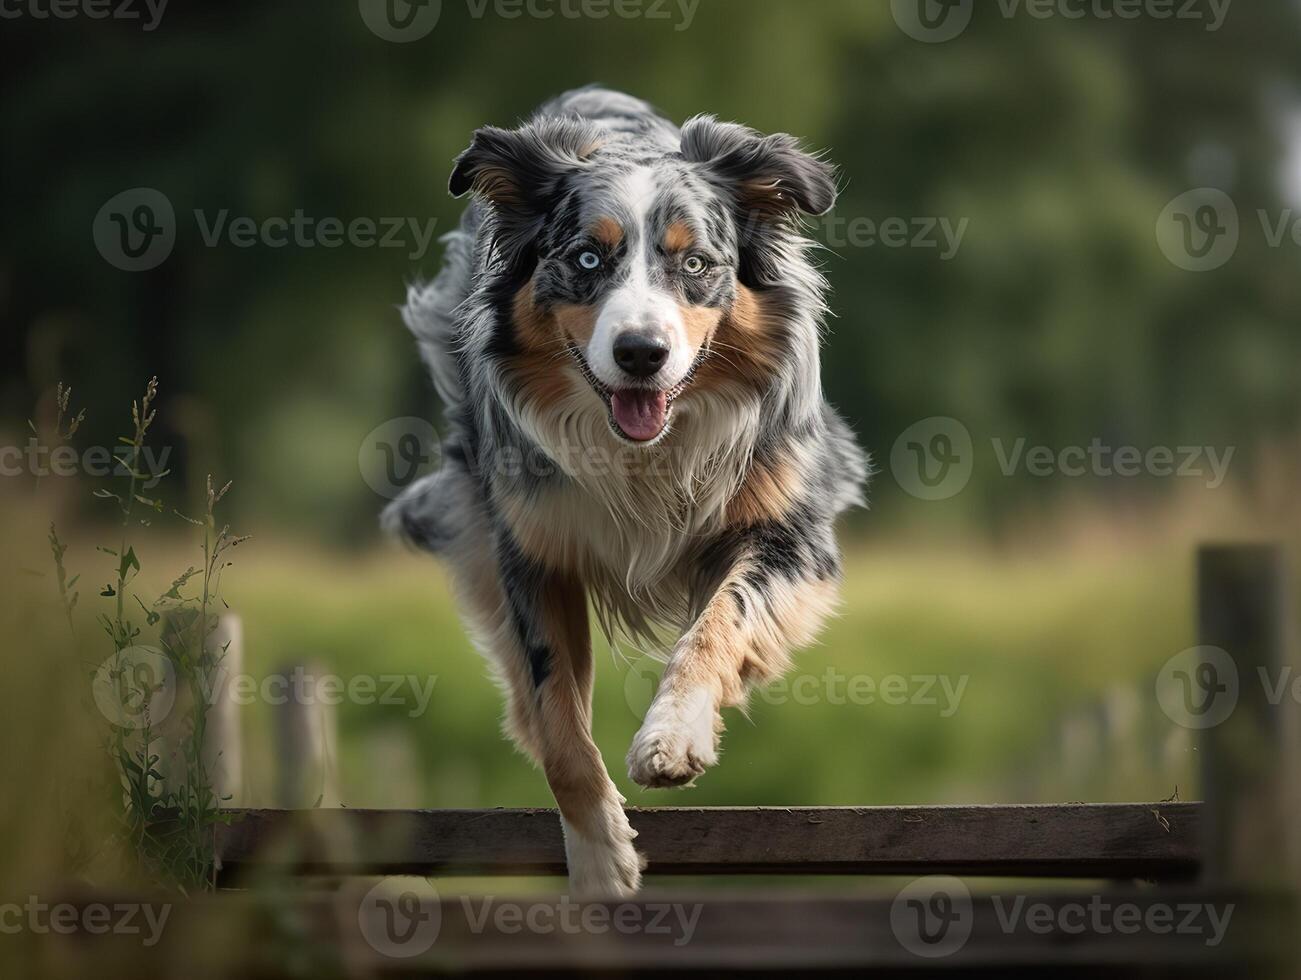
{"x": 1130, "y": 840}
{"x": 354, "y": 932}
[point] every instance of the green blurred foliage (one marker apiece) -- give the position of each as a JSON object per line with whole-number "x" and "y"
{"x": 1058, "y": 140}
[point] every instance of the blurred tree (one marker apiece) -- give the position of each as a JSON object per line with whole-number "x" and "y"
{"x": 1056, "y": 142}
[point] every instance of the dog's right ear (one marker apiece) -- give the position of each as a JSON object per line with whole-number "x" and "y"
{"x": 521, "y": 169}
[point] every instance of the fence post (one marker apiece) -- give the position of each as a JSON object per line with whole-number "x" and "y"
{"x": 223, "y": 739}
{"x": 223, "y": 745}
{"x": 306, "y": 733}
{"x": 1242, "y": 611}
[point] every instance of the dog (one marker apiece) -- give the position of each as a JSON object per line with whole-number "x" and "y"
{"x": 625, "y": 337}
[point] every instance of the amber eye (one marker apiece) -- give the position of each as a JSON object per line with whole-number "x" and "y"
{"x": 589, "y": 260}
{"x": 694, "y": 265}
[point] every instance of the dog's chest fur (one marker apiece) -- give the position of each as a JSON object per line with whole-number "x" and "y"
{"x": 630, "y": 521}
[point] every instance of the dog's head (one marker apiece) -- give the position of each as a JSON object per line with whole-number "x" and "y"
{"x": 633, "y": 260}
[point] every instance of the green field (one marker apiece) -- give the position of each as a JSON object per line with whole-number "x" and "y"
{"x": 944, "y": 679}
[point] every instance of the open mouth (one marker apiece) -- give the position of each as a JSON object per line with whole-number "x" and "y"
{"x": 637, "y": 414}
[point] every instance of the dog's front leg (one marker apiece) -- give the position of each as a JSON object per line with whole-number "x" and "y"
{"x": 551, "y": 711}
{"x": 778, "y": 587}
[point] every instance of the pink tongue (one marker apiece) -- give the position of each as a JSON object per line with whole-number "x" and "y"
{"x": 640, "y": 414}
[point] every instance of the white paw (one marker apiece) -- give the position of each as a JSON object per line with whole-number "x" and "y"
{"x": 678, "y": 740}
{"x": 605, "y": 865}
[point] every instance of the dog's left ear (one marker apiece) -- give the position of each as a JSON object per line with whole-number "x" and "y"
{"x": 520, "y": 169}
{"x": 770, "y": 175}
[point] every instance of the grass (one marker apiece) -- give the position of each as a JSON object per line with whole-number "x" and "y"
{"x": 1021, "y": 644}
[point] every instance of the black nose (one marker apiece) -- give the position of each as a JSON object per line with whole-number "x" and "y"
{"x": 641, "y": 353}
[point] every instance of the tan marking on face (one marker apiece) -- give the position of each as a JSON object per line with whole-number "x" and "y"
{"x": 700, "y": 323}
{"x": 748, "y": 346}
{"x": 537, "y": 329}
{"x": 541, "y": 337}
{"x": 768, "y": 494}
{"x": 607, "y": 231}
{"x": 678, "y": 237}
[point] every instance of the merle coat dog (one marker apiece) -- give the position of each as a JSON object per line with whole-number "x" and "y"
{"x": 625, "y": 336}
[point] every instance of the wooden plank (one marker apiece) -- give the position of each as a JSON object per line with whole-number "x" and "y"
{"x": 1077, "y": 840}
{"x": 351, "y": 932}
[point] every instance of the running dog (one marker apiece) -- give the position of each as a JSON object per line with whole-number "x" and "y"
{"x": 624, "y": 335}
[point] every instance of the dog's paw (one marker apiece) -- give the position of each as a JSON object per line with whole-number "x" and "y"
{"x": 678, "y": 741}
{"x": 606, "y": 866}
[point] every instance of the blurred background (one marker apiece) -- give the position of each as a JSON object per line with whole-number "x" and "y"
{"x": 1067, "y": 325}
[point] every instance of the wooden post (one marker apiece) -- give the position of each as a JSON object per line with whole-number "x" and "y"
{"x": 306, "y": 731}
{"x": 1245, "y": 769}
{"x": 223, "y": 745}
{"x": 223, "y": 738}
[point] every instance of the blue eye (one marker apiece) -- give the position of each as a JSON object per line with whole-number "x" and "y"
{"x": 589, "y": 261}
{"x": 694, "y": 265}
